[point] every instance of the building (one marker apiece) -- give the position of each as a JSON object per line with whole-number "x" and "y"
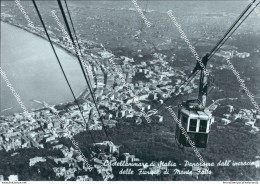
{"x": 59, "y": 171}
{"x": 83, "y": 178}
{"x": 25, "y": 142}
{"x": 112, "y": 148}
{"x": 130, "y": 158}
{"x": 110, "y": 80}
{"x": 69, "y": 173}
{"x": 1, "y": 178}
{"x": 225, "y": 54}
{"x": 129, "y": 78}
{"x": 195, "y": 171}
{"x": 13, "y": 178}
{"x": 243, "y": 55}
{"x": 225, "y": 121}
{"x": 33, "y": 161}
{"x": 159, "y": 118}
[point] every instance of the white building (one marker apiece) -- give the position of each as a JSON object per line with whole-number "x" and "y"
{"x": 1, "y": 178}
{"x": 243, "y": 55}
{"x": 83, "y": 178}
{"x": 13, "y": 178}
{"x": 225, "y": 121}
{"x": 33, "y": 161}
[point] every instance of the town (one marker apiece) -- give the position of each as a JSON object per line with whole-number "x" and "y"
{"x": 152, "y": 80}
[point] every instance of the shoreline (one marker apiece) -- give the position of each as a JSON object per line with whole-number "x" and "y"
{"x": 38, "y": 35}
{"x": 62, "y": 105}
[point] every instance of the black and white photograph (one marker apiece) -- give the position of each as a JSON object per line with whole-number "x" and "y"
{"x": 130, "y": 90}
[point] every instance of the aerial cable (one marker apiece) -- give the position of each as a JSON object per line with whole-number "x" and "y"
{"x": 217, "y": 47}
{"x": 37, "y": 10}
{"x": 76, "y": 38}
{"x": 230, "y": 29}
{"x": 234, "y": 30}
{"x": 142, "y": 25}
{"x": 189, "y": 79}
{"x": 93, "y": 97}
{"x": 91, "y": 92}
{"x": 73, "y": 42}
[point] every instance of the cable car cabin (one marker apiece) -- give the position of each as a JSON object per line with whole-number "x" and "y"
{"x": 197, "y": 122}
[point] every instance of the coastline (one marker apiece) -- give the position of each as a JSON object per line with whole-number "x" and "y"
{"x": 38, "y": 35}
{"x": 80, "y": 98}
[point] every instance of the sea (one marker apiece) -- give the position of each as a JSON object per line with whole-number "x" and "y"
{"x": 32, "y": 69}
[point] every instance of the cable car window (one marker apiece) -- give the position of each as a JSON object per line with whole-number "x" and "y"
{"x": 193, "y": 125}
{"x": 184, "y": 121}
{"x": 203, "y": 126}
